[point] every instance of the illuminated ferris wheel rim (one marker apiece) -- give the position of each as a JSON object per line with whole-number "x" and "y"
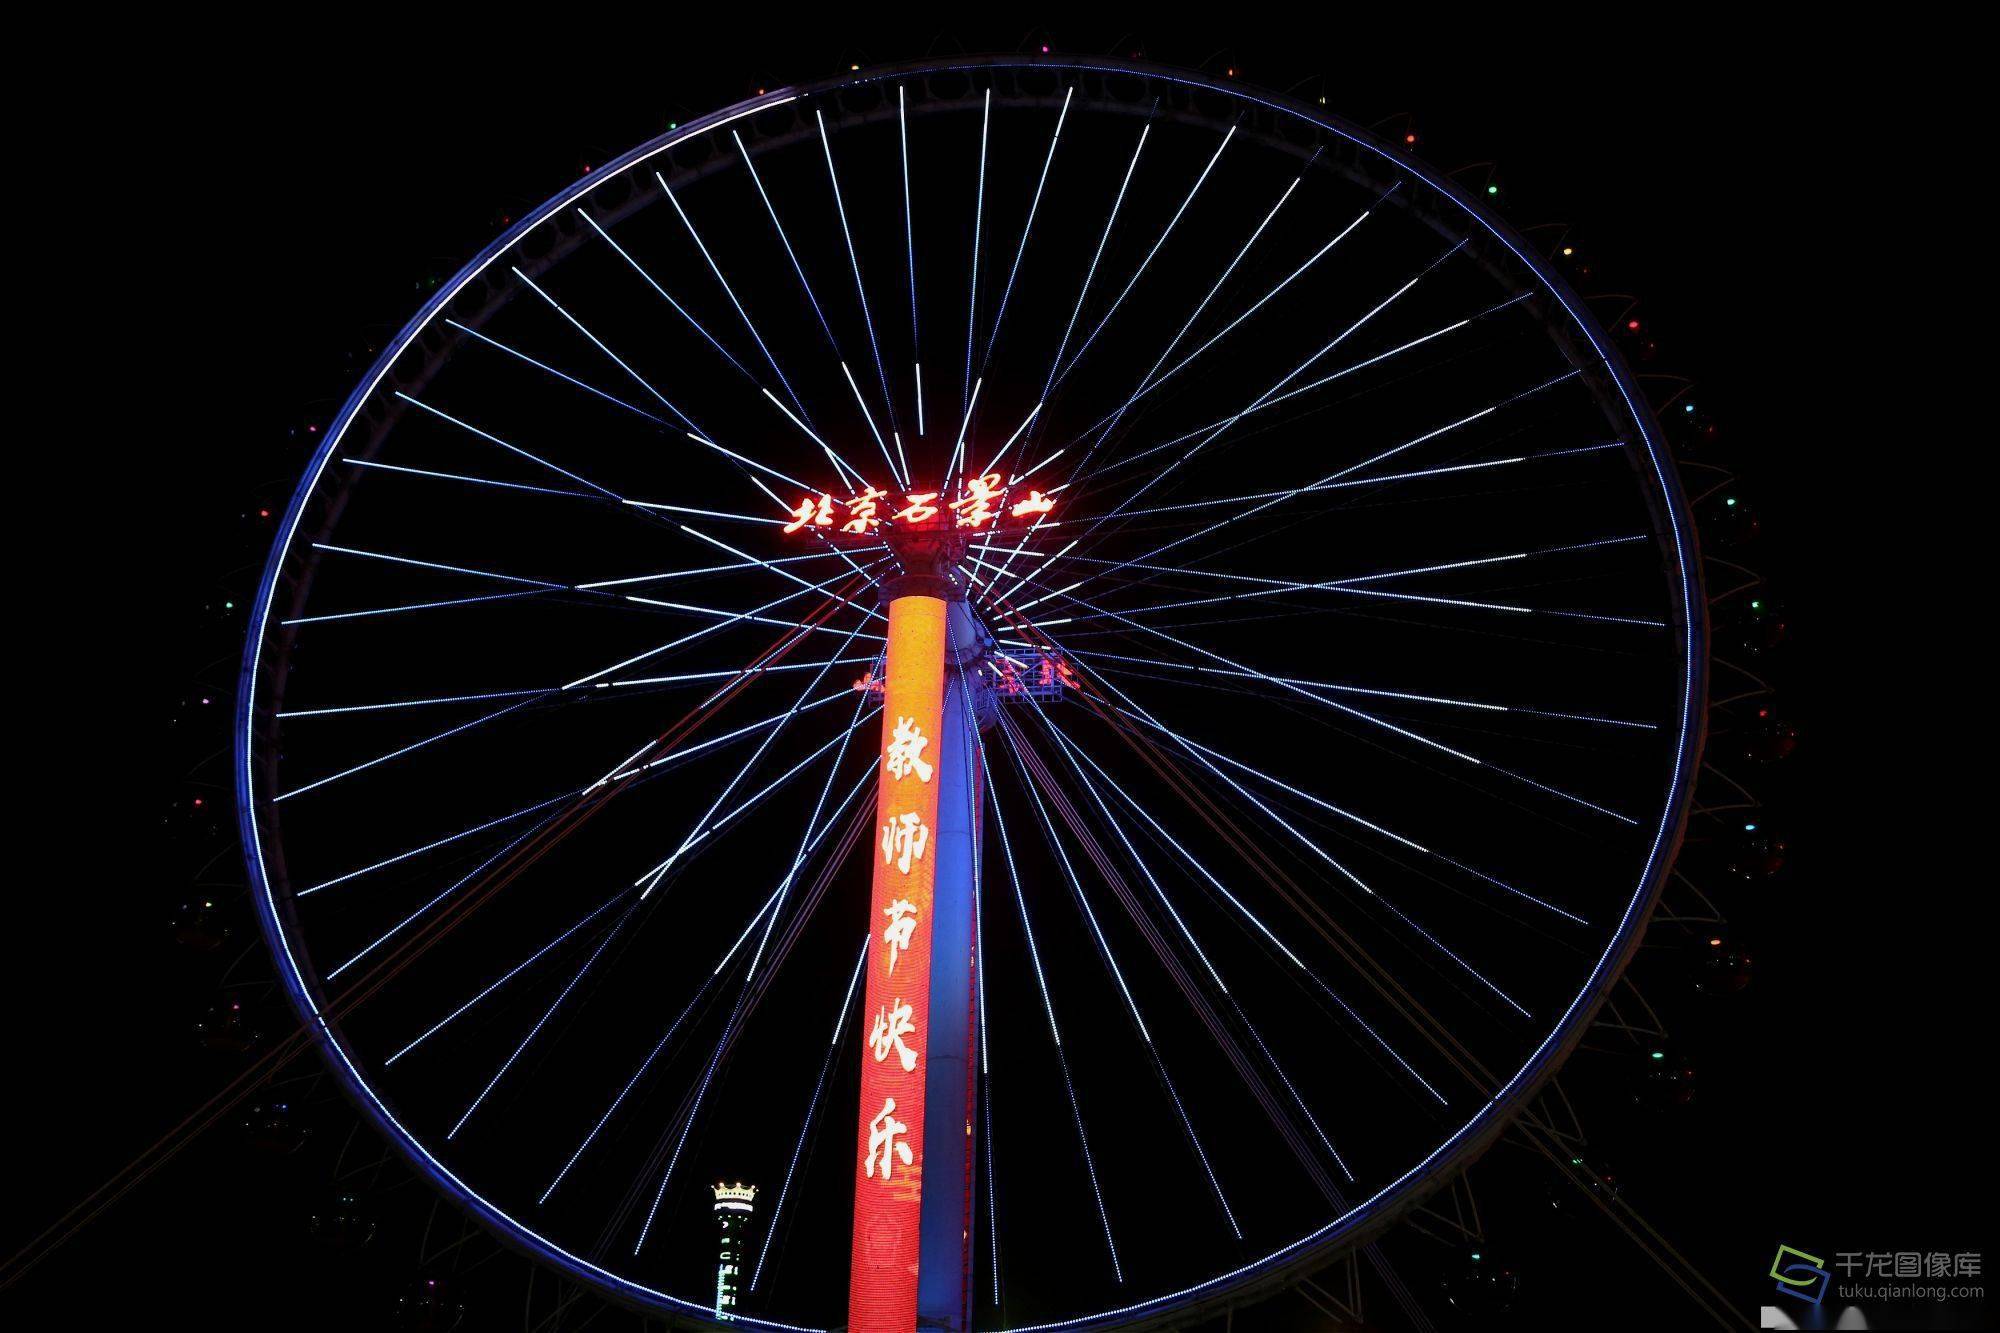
{"x": 1308, "y": 1251}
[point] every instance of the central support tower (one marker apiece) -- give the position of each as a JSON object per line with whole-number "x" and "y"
{"x": 914, "y": 1161}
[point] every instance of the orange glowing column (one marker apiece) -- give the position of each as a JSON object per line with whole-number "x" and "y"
{"x": 889, "y": 1162}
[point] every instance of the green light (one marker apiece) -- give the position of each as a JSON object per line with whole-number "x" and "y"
{"x": 1659, "y": 1055}
{"x": 1756, "y": 606}
{"x": 1475, "y": 1256}
{"x": 1731, "y": 502}
{"x": 1492, "y": 189}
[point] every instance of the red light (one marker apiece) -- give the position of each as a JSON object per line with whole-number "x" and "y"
{"x": 920, "y": 509}
{"x": 862, "y": 507}
{"x": 1036, "y": 503}
{"x": 1632, "y": 324}
{"x": 819, "y": 514}
{"x": 977, "y": 505}
{"x": 1409, "y": 138}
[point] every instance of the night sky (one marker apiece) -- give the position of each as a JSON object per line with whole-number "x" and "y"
{"x": 275, "y": 220}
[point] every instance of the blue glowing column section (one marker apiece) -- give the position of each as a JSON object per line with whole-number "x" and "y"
{"x": 944, "y": 1273}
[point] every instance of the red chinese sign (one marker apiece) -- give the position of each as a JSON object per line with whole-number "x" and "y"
{"x": 983, "y": 506}
{"x": 889, "y": 1147}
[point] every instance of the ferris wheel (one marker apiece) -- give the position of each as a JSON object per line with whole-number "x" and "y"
{"x": 1006, "y": 649}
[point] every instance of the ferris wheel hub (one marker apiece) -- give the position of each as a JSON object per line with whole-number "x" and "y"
{"x": 927, "y": 560}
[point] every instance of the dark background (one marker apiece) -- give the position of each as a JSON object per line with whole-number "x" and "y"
{"x": 266, "y": 222}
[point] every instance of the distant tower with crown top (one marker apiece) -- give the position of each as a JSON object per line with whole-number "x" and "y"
{"x": 735, "y": 1205}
